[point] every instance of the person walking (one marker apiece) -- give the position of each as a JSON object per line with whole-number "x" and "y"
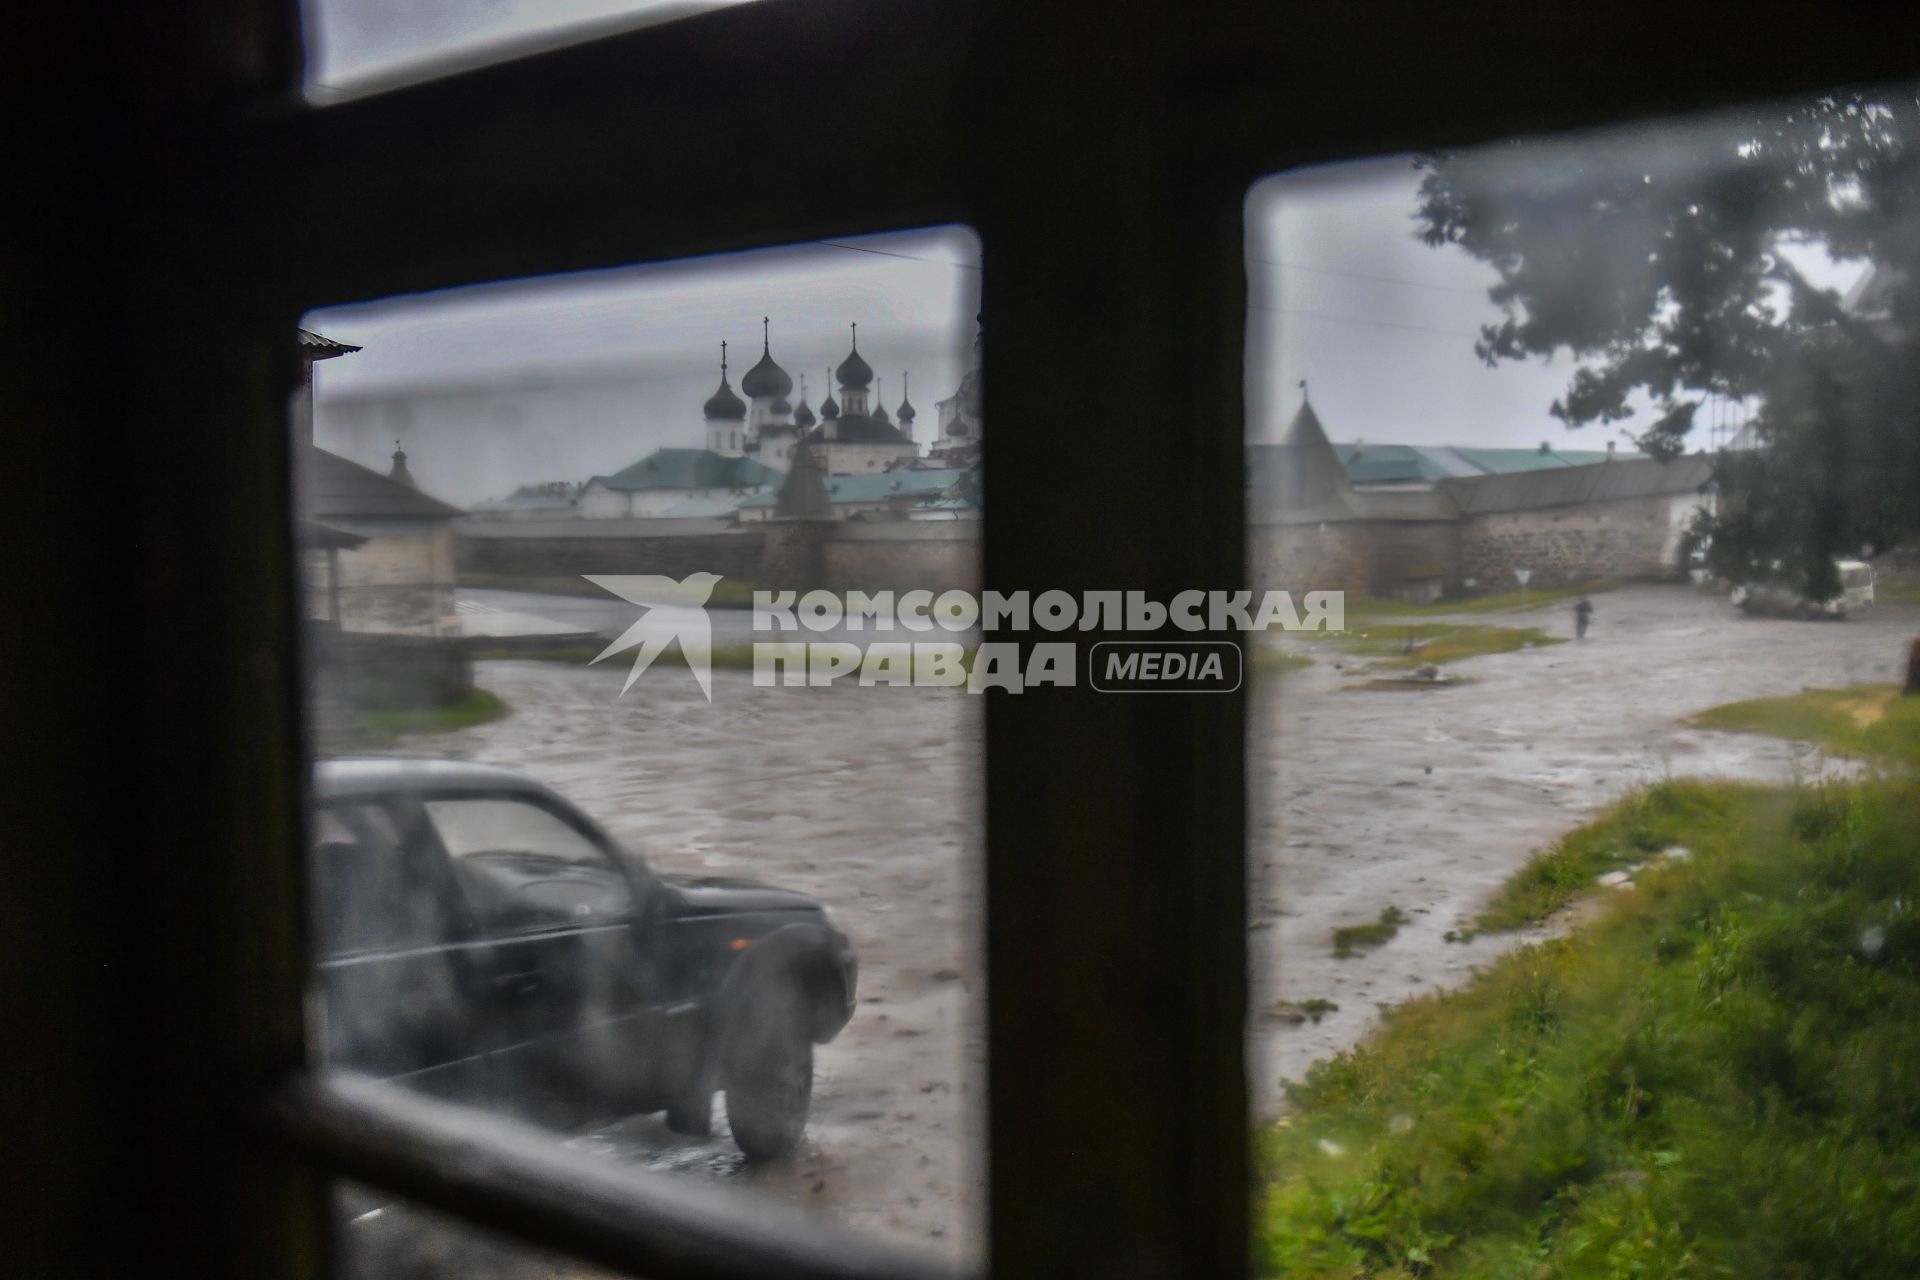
{"x": 1582, "y": 614}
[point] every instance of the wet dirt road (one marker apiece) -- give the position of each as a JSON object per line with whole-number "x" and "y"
{"x": 1425, "y": 800}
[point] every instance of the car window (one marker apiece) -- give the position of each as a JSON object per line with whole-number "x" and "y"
{"x": 370, "y": 892}
{"x": 523, "y": 865}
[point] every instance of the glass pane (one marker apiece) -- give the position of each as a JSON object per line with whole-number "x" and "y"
{"x": 583, "y": 856}
{"x": 1610, "y": 445}
{"x": 362, "y": 46}
{"x": 383, "y": 1237}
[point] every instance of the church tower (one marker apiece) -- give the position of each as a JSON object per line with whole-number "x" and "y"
{"x": 726, "y": 416}
{"x": 766, "y": 387}
{"x": 854, "y": 376}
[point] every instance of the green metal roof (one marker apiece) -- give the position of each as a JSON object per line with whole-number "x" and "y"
{"x": 1502, "y": 462}
{"x": 691, "y": 469}
{"x": 883, "y": 486}
{"x": 1376, "y": 464}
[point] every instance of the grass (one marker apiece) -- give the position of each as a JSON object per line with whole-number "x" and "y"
{"x": 1417, "y": 644}
{"x": 1370, "y": 610}
{"x": 1867, "y": 721}
{"x": 477, "y": 707}
{"x": 1644, "y": 823}
{"x": 1714, "y": 1078}
{"x": 1318, "y": 1007}
{"x": 1351, "y": 939}
{"x": 1897, "y": 591}
{"x": 727, "y": 593}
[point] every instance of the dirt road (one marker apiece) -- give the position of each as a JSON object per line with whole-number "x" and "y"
{"x": 869, "y": 798}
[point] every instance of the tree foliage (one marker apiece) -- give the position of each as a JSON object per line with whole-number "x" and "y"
{"x": 1669, "y": 263}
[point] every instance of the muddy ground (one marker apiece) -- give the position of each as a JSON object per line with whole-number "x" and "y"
{"x": 1424, "y": 799}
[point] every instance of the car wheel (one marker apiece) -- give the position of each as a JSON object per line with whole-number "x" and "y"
{"x": 769, "y": 1072}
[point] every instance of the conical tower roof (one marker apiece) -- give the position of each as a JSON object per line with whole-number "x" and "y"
{"x": 803, "y": 494}
{"x": 1302, "y": 479}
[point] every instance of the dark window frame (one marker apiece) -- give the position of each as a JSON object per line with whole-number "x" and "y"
{"x": 1104, "y": 162}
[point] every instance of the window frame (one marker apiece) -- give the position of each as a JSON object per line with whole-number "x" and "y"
{"x": 1123, "y": 1149}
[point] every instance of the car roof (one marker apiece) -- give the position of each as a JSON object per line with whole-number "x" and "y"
{"x": 371, "y": 774}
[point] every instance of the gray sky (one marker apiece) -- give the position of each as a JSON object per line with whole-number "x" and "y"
{"x": 1381, "y": 326}
{"x": 566, "y": 377}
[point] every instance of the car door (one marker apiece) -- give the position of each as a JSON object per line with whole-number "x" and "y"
{"x": 556, "y": 950}
{"x": 388, "y": 995}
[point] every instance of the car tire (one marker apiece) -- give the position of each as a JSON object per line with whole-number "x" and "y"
{"x": 768, "y": 1076}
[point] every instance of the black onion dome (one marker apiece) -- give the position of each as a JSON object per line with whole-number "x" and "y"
{"x": 853, "y": 371}
{"x": 880, "y": 414}
{"x": 829, "y": 408}
{"x": 766, "y": 379}
{"x": 905, "y": 412}
{"x": 803, "y": 416}
{"x": 725, "y": 405}
{"x": 780, "y": 405}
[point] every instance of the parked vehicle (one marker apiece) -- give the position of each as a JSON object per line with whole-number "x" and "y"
{"x": 480, "y": 939}
{"x": 1856, "y": 584}
{"x": 1778, "y": 599}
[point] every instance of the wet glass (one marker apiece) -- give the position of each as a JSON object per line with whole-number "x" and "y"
{"x": 385, "y": 1237}
{"x": 1608, "y": 445}
{"x": 577, "y": 859}
{"x": 361, "y": 46}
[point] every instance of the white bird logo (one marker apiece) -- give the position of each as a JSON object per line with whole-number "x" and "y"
{"x": 675, "y": 610}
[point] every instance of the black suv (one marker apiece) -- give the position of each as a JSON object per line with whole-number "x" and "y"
{"x": 479, "y": 939}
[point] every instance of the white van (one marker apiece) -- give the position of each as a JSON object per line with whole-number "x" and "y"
{"x": 1780, "y": 600}
{"x": 1856, "y": 584}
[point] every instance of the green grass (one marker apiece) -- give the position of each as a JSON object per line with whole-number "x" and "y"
{"x": 1896, "y": 592}
{"x": 728, "y": 592}
{"x": 1868, "y": 721}
{"x": 1717, "y": 1077}
{"x": 1351, "y": 939}
{"x": 1369, "y": 610}
{"x": 1644, "y": 823}
{"x": 1406, "y": 645}
{"x": 478, "y": 707}
{"x": 1318, "y": 1007}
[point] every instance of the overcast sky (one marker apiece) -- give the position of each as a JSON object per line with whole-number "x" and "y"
{"x": 496, "y": 386}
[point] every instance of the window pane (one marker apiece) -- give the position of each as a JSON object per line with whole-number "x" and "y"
{"x": 634, "y": 883}
{"x": 1609, "y": 444}
{"x": 382, "y": 1237}
{"x": 362, "y": 46}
